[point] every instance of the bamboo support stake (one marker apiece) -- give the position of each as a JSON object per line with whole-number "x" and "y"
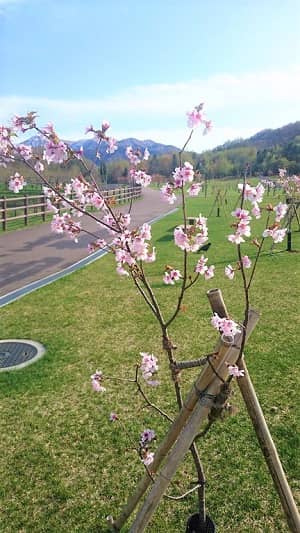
{"x": 204, "y": 379}
{"x": 261, "y": 429}
{"x": 185, "y": 439}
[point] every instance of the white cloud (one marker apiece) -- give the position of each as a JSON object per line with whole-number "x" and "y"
{"x": 238, "y": 104}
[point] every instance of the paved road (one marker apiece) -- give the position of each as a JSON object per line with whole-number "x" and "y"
{"x": 33, "y": 253}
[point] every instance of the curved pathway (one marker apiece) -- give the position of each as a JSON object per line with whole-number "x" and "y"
{"x": 35, "y": 253}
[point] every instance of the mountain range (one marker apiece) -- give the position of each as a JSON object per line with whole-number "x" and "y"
{"x": 264, "y": 139}
{"x": 90, "y": 148}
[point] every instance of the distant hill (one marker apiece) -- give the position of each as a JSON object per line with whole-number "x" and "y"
{"x": 265, "y": 139}
{"x": 90, "y": 148}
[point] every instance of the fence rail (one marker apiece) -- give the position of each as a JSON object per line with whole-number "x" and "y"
{"x": 28, "y": 206}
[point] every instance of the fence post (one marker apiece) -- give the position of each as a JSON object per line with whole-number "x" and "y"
{"x": 4, "y": 212}
{"x": 44, "y": 208}
{"x": 26, "y": 209}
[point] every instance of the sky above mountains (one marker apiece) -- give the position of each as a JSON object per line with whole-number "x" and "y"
{"x": 142, "y": 65}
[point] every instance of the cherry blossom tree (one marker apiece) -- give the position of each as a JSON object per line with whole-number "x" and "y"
{"x": 133, "y": 250}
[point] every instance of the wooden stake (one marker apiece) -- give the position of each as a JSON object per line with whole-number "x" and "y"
{"x": 187, "y": 436}
{"x": 224, "y": 352}
{"x": 261, "y": 429}
{"x": 201, "y": 384}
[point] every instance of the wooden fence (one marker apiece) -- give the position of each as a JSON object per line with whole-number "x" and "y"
{"x": 28, "y": 206}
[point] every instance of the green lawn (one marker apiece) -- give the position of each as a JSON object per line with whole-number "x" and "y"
{"x": 65, "y": 467}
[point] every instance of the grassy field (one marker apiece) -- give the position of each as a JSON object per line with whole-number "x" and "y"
{"x": 65, "y": 467}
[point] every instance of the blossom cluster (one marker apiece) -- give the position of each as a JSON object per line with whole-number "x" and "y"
{"x": 225, "y": 326}
{"x": 191, "y": 237}
{"x": 197, "y": 117}
{"x": 243, "y": 219}
{"x": 65, "y": 224}
{"x": 101, "y": 136}
{"x": 290, "y": 184}
{"x": 242, "y": 226}
{"x": 149, "y": 368}
{"x": 181, "y": 176}
{"x": 235, "y": 371}
{"x": 171, "y": 275}
{"x": 139, "y": 176}
{"x": 204, "y": 270}
{"x": 132, "y": 246}
{"x": 230, "y": 270}
{"x": 146, "y": 437}
{"x": 16, "y": 183}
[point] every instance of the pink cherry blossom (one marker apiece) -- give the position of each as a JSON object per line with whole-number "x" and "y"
{"x": 229, "y": 272}
{"x": 276, "y": 234}
{"x": 64, "y": 224}
{"x": 241, "y": 214}
{"x": 256, "y": 212}
{"x": 149, "y": 367}
{"x": 133, "y": 156}
{"x": 39, "y": 167}
{"x": 246, "y": 261}
{"x": 147, "y": 436}
{"x": 193, "y": 237}
{"x": 25, "y": 151}
{"x": 96, "y": 380}
{"x": 148, "y": 458}
{"x": 105, "y": 125}
{"x": 24, "y": 123}
{"x": 209, "y": 273}
{"x": 112, "y": 145}
{"x": 280, "y": 211}
{"x": 16, "y": 183}
{"x": 145, "y": 231}
{"x": 99, "y": 244}
{"x": 233, "y": 370}
{"x": 171, "y": 276}
{"x": 236, "y": 238}
{"x": 168, "y": 193}
{"x": 194, "y": 189}
{"x": 141, "y": 177}
{"x": 226, "y": 326}
{"x": 253, "y": 194}
{"x": 96, "y": 200}
{"x": 201, "y": 266}
{"x": 195, "y": 118}
{"x": 55, "y": 152}
{"x": 182, "y": 175}
{"x": 48, "y": 129}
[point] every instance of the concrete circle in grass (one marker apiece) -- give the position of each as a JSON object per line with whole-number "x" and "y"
{"x": 17, "y": 353}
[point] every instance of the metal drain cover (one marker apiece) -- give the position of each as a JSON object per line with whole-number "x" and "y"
{"x": 17, "y": 353}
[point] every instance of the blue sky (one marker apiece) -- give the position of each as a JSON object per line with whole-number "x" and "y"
{"x": 142, "y": 65}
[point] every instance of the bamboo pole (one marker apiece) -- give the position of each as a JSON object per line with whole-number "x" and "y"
{"x": 186, "y": 437}
{"x": 223, "y": 350}
{"x": 261, "y": 429}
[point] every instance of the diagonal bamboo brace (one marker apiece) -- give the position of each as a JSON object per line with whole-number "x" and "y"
{"x": 261, "y": 429}
{"x": 225, "y": 352}
{"x": 187, "y": 435}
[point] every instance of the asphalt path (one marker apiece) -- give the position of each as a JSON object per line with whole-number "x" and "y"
{"x": 35, "y": 253}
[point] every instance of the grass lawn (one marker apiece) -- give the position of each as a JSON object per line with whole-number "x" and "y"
{"x": 65, "y": 467}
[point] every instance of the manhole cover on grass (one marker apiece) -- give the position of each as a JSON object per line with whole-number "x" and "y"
{"x": 17, "y": 353}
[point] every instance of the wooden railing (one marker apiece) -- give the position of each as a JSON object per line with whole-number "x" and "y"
{"x": 28, "y": 206}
